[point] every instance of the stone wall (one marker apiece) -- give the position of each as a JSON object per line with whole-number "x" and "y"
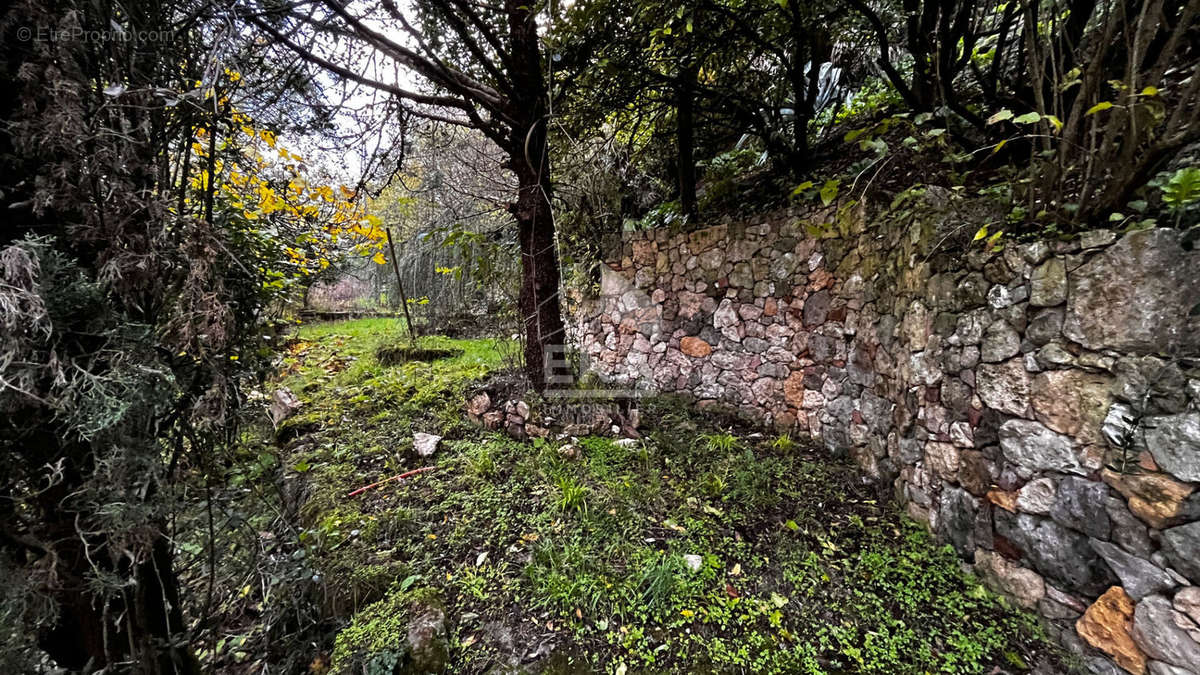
{"x": 1037, "y": 407}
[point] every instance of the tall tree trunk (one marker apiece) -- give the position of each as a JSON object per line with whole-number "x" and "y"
{"x": 685, "y": 91}
{"x": 138, "y": 628}
{"x": 539, "y": 302}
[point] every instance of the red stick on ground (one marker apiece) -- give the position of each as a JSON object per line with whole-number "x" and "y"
{"x": 402, "y": 476}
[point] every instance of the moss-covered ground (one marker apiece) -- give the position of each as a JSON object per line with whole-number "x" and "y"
{"x": 589, "y": 564}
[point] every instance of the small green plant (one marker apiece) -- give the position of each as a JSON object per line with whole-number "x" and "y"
{"x": 1182, "y": 190}
{"x": 722, "y": 442}
{"x": 570, "y": 495}
{"x": 715, "y": 484}
{"x": 658, "y": 581}
{"x": 481, "y": 462}
{"x": 783, "y": 443}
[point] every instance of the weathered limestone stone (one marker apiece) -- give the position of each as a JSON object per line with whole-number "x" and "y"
{"x": 1045, "y": 326}
{"x": 755, "y": 345}
{"x": 1128, "y": 532}
{"x": 644, "y": 252}
{"x": 1187, "y": 600}
{"x": 1174, "y": 440}
{"x": 741, "y": 276}
{"x": 1147, "y": 312}
{"x": 1182, "y": 547}
{"x": 1054, "y": 356}
{"x": 1163, "y": 633}
{"x": 1096, "y": 238}
{"x": 816, "y": 308}
{"x": 1033, "y": 447}
{"x": 1037, "y": 496}
{"x": 1107, "y": 624}
{"x": 284, "y": 404}
{"x": 956, "y": 519}
{"x": 1005, "y": 499}
{"x": 1000, "y": 296}
{"x": 1071, "y": 402}
{"x": 702, "y": 240}
{"x": 973, "y": 472}
{"x": 690, "y": 304}
{"x": 1156, "y": 498}
{"x": 1080, "y": 506}
{"x": 1004, "y": 387}
{"x": 969, "y": 330}
{"x": 1139, "y": 576}
{"x": 1023, "y": 585}
{"x": 1048, "y": 284}
{"x": 427, "y": 641}
{"x": 1056, "y": 552}
{"x": 794, "y": 390}
{"x": 915, "y": 327}
{"x": 942, "y": 458}
{"x": 1000, "y": 341}
{"x": 725, "y": 316}
{"x": 694, "y": 346}
{"x": 478, "y": 405}
{"x": 426, "y": 444}
{"x": 1160, "y": 668}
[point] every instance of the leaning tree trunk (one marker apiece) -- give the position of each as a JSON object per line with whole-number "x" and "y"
{"x": 539, "y": 301}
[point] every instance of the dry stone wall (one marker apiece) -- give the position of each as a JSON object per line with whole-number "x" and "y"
{"x": 1038, "y": 407}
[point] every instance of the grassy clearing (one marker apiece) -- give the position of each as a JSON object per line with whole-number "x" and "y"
{"x": 695, "y": 550}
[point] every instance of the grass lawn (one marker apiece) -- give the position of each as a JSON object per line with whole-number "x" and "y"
{"x": 702, "y": 548}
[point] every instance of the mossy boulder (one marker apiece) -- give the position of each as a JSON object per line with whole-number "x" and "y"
{"x": 403, "y": 634}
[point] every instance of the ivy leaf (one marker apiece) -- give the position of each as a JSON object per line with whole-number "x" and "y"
{"x": 829, "y": 192}
{"x": 1001, "y": 116}
{"x": 1099, "y": 107}
{"x": 1028, "y": 118}
{"x": 801, "y": 187}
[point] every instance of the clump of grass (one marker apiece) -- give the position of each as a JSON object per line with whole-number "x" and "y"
{"x": 719, "y": 442}
{"x": 481, "y": 462}
{"x": 783, "y": 443}
{"x": 658, "y": 580}
{"x": 571, "y": 495}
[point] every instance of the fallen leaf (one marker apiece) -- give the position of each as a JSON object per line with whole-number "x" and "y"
{"x": 731, "y": 591}
{"x": 737, "y": 570}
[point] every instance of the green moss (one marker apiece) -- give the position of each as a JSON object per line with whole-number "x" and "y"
{"x": 376, "y": 640}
